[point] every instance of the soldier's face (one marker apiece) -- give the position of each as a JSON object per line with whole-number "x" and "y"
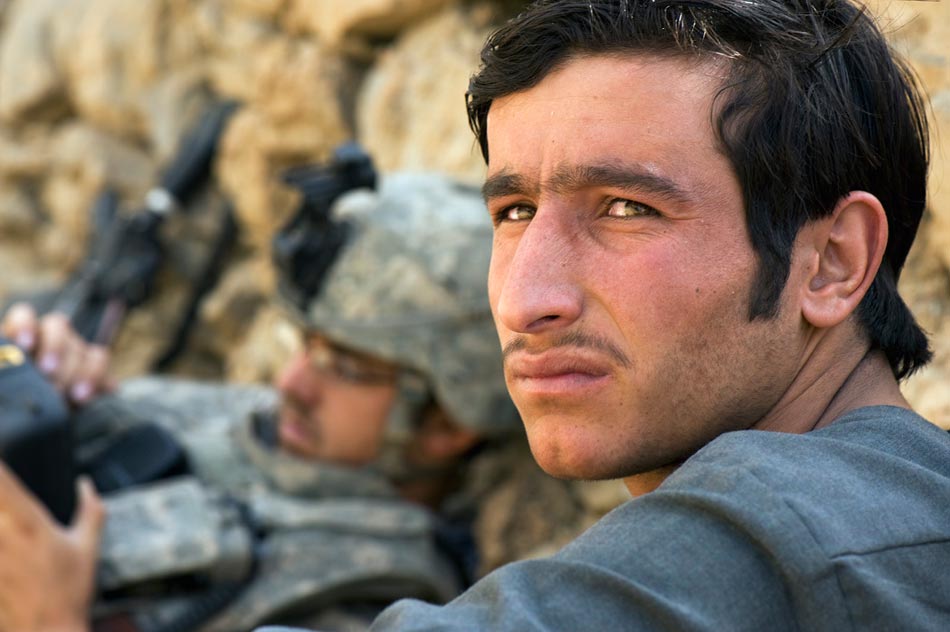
{"x": 621, "y": 269}
{"x": 334, "y": 403}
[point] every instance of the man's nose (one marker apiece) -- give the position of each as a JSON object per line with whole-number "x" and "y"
{"x": 298, "y": 378}
{"x": 538, "y": 289}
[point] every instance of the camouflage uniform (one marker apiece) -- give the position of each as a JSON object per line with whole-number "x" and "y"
{"x": 312, "y": 529}
{"x": 409, "y": 288}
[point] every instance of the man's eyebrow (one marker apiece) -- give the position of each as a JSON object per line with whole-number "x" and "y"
{"x": 615, "y": 175}
{"x": 504, "y": 183}
{"x": 575, "y": 177}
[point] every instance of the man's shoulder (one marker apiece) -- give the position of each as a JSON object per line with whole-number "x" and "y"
{"x": 851, "y": 484}
{"x": 893, "y": 441}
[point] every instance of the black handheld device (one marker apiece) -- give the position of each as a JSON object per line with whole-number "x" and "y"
{"x": 35, "y": 432}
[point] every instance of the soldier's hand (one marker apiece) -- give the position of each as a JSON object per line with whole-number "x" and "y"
{"x": 78, "y": 369}
{"x": 47, "y": 576}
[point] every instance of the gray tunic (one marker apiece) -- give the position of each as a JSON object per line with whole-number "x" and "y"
{"x": 844, "y": 528}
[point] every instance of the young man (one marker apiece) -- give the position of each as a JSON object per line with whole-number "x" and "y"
{"x": 701, "y": 211}
{"x": 397, "y": 391}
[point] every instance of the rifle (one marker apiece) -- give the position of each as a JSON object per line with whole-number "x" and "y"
{"x": 124, "y": 256}
{"x": 126, "y": 252}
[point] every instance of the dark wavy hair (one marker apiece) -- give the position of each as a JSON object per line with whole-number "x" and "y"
{"x": 815, "y": 105}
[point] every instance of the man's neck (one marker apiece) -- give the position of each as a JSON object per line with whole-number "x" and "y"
{"x": 872, "y": 383}
{"x": 838, "y": 389}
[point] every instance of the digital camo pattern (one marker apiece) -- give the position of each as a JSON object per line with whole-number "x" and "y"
{"x": 323, "y": 533}
{"x": 215, "y": 424}
{"x": 313, "y": 555}
{"x": 172, "y": 528}
{"x": 311, "y": 569}
{"x": 410, "y": 287}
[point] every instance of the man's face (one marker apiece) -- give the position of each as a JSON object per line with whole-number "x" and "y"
{"x": 621, "y": 269}
{"x": 334, "y": 403}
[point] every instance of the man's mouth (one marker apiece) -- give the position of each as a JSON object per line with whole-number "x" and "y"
{"x": 295, "y": 432}
{"x": 557, "y": 372}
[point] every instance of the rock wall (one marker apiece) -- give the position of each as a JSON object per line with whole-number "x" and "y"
{"x": 95, "y": 93}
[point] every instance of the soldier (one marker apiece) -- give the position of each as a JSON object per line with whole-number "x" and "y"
{"x": 397, "y": 390}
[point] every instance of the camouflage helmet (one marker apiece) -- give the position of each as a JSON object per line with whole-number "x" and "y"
{"x": 409, "y": 287}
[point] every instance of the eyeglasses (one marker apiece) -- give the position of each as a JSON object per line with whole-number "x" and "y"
{"x": 350, "y": 366}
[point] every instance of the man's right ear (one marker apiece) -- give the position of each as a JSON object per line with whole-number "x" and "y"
{"x": 844, "y": 252}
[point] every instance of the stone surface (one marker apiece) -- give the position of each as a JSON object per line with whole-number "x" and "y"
{"x": 31, "y": 84}
{"x": 270, "y": 341}
{"x": 19, "y": 215}
{"x": 411, "y": 111}
{"x": 292, "y": 116}
{"x": 925, "y": 285}
{"x": 228, "y": 312}
{"x": 226, "y": 34}
{"x": 85, "y": 160}
{"x": 24, "y": 155}
{"x": 331, "y": 20}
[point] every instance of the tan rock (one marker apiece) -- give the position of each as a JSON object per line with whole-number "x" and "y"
{"x": 331, "y": 21}
{"x": 268, "y": 9}
{"x": 85, "y": 160}
{"x": 113, "y": 56}
{"x": 146, "y": 332}
{"x": 23, "y": 155}
{"x": 67, "y": 200}
{"x": 31, "y": 84}
{"x": 171, "y": 106}
{"x": 940, "y": 177}
{"x": 294, "y": 116}
{"x": 225, "y": 315}
{"x": 267, "y": 347}
{"x": 24, "y": 270}
{"x": 928, "y": 391}
{"x": 920, "y": 31}
{"x": 410, "y": 111}
{"x": 248, "y": 178}
{"x": 226, "y": 35}
{"x": 924, "y": 285}
{"x": 97, "y": 158}
{"x": 19, "y": 216}
{"x": 238, "y": 335}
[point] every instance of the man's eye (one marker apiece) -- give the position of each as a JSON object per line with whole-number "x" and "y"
{"x": 620, "y": 207}
{"x": 515, "y": 214}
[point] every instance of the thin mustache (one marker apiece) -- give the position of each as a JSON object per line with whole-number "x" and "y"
{"x": 295, "y": 406}
{"x": 573, "y": 339}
